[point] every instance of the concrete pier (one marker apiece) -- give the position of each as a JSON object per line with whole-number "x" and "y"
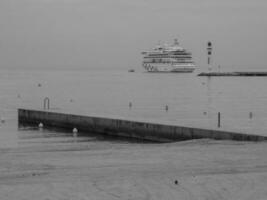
{"x": 126, "y": 128}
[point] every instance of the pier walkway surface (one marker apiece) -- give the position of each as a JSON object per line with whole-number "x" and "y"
{"x": 127, "y": 128}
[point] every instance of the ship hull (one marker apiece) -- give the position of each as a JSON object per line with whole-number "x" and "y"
{"x": 169, "y": 68}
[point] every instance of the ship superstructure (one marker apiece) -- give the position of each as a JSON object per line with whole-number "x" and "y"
{"x": 168, "y": 58}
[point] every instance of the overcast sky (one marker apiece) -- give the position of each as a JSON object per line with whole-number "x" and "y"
{"x": 112, "y": 33}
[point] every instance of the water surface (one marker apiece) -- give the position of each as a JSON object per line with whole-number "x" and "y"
{"x": 191, "y": 100}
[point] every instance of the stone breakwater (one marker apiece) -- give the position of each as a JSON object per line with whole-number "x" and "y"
{"x": 233, "y": 74}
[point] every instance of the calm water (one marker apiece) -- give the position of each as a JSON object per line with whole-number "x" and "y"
{"x": 192, "y": 101}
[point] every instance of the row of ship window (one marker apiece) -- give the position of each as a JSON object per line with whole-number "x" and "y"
{"x": 166, "y": 54}
{"x": 166, "y": 59}
{"x": 176, "y": 57}
{"x": 162, "y": 61}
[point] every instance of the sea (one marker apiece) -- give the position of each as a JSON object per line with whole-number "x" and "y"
{"x": 183, "y": 99}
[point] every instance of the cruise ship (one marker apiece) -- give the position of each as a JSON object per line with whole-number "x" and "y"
{"x": 168, "y": 58}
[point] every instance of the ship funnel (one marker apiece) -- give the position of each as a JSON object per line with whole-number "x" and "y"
{"x": 176, "y": 43}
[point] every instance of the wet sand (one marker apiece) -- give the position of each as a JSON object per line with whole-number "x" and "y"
{"x": 191, "y": 170}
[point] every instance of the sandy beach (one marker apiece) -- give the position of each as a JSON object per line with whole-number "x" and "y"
{"x": 190, "y": 170}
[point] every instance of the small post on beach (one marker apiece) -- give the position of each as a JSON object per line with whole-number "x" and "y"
{"x": 219, "y": 119}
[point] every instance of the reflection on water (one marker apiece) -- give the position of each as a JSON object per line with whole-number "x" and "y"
{"x": 191, "y": 100}
{"x": 31, "y": 136}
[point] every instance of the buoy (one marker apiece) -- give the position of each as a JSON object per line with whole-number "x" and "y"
{"x": 39, "y": 84}
{"x": 166, "y": 107}
{"x": 75, "y": 132}
{"x": 130, "y": 104}
{"x": 3, "y": 120}
{"x": 41, "y": 125}
{"x": 250, "y": 115}
{"x": 176, "y": 182}
{"x": 204, "y": 113}
{"x": 71, "y": 100}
